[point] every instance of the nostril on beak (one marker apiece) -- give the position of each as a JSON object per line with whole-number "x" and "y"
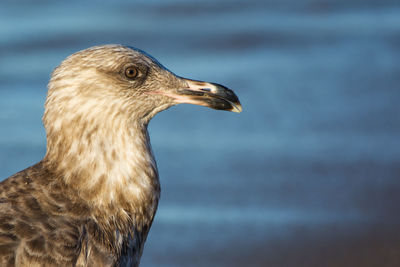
{"x": 206, "y": 89}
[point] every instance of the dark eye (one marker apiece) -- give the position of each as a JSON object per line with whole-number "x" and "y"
{"x": 131, "y": 72}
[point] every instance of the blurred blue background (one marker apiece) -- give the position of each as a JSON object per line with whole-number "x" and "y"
{"x": 307, "y": 175}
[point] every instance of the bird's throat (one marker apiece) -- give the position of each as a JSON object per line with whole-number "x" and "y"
{"x": 109, "y": 164}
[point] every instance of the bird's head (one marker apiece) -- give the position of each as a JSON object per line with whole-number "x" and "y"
{"x": 98, "y": 105}
{"x": 129, "y": 81}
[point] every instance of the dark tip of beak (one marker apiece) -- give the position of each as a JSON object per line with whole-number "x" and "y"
{"x": 225, "y": 94}
{"x": 211, "y": 95}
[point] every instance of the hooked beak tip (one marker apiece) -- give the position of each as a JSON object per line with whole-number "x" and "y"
{"x": 211, "y": 95}
{"x": 237, "y": 108}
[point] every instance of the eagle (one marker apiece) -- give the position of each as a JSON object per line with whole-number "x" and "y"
{"x": 91, "y": 200}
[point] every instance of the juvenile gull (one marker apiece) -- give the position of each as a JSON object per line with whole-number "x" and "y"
{"x": 91, "y": 200}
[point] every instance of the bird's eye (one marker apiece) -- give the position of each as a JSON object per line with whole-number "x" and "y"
{"x": 131, "y": 72}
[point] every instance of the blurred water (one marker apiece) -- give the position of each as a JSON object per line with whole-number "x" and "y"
{"x": 307, "y": 175}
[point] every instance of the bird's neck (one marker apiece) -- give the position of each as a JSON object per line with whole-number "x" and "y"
{"x": 109, "y": 163}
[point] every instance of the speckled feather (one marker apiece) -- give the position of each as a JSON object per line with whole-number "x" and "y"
{"x": 92, "y": 199}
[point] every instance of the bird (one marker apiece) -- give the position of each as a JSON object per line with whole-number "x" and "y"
{"x": 91, "y": 200}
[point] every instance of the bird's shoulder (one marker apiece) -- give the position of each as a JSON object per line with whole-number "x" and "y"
{"x": 42, "y": 225}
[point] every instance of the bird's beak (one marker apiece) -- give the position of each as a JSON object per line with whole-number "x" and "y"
{"x": 206, "y": 94}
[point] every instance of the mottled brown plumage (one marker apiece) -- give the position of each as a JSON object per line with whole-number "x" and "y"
{"x": 92, "y": 199}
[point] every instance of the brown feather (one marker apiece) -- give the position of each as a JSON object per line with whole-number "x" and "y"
{"x": 92, "y": 199}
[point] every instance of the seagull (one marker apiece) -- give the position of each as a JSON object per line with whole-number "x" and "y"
{"x": 91, "y": 200}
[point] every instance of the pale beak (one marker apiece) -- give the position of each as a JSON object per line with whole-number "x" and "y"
{"x": 206, "y": 94}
